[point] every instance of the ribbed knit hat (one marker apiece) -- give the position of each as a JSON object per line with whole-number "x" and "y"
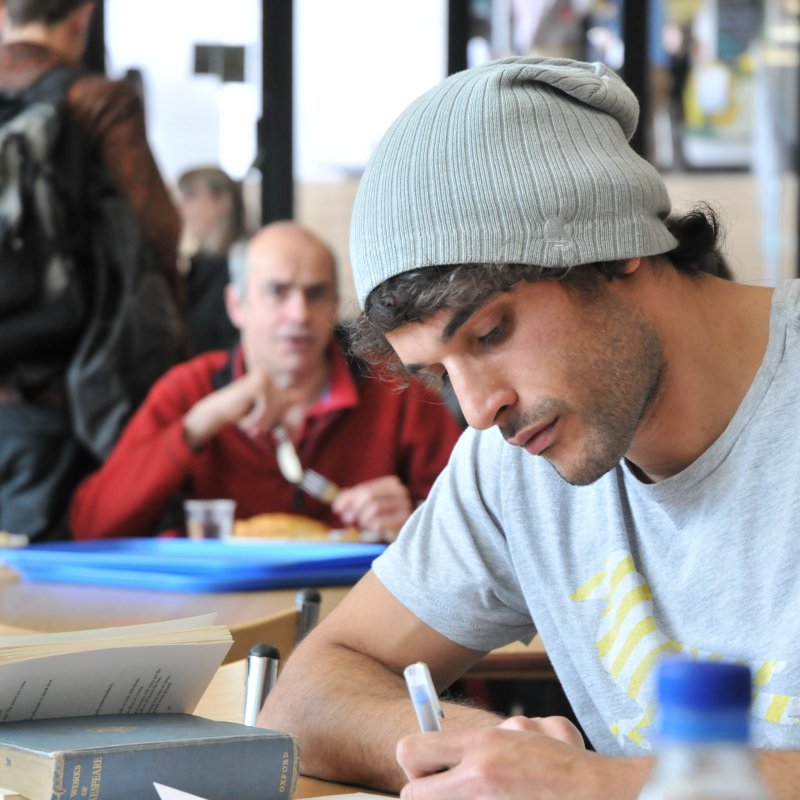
{"x": 524, "y": 160}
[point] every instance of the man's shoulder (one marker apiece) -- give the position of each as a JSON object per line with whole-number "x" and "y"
{"x": 92, "y": 96}
{"x": 198, "y": 372}
{"x": 22, "y": 63}
{"x": 94, "y": 100}
{"x": 203, "y": 364}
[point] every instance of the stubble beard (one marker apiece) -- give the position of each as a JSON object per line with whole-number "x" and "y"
{"x": 618, "y": 380}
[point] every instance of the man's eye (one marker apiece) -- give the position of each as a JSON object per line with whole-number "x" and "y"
{"x": 436, "y": 382}
{"x": 277, "y": 292}
{"x": 495, "y": 335}
{"x": 318, "y": 294}
{"x": 441, "y": 383}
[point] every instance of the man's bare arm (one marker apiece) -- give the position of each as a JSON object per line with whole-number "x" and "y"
{"x": 342, "y": 692}
{"x": 781, "y": 770}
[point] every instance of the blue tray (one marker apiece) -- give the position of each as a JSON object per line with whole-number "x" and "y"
{"x": 194, "y": 566}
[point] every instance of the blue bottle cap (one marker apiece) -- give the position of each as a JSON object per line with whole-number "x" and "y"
{"x": 704, "y": 701}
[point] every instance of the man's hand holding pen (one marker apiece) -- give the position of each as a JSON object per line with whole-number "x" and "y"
{"x": 507, "y": 760}
{"x": 501, "y": 761}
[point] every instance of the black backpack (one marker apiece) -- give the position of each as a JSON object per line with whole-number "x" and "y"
{"x": 112, "y": 322}
{"x": 43, "y": 290}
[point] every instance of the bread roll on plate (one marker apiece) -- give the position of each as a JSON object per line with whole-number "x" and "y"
{"x": 290, "y": 526}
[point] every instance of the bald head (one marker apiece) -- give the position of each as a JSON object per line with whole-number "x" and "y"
{"x": 283, "y": 299}
{"x": 281, "y": 240}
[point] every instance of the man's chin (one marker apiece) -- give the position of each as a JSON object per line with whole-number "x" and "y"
{"x": 580, "y": 474}
{"x": 300, "y": 366}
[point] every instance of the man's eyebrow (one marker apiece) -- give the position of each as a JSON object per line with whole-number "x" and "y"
{"x": 305, "y": 287}
{"x": 457, "y": 320}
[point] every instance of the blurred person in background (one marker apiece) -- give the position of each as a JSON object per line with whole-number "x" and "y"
{"x": 41, "y": 458}
{"x": 213, "y": 213}
{"x": 206, "y": 430}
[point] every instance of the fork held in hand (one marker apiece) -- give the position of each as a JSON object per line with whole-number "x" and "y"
{"x": 308, "y": 480}
{"x": 318, "y": 486}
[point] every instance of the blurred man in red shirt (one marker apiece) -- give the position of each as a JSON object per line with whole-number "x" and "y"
{"x": 206, "y": 429}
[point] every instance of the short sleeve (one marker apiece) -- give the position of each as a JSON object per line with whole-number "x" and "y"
{"x": 450, "y": 565}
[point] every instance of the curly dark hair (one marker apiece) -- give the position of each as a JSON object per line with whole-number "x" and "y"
{"x": 416, "y": 295}
{"x": 48, "y": 12}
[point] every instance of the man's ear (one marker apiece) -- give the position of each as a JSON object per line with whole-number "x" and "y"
{"x": 631, "y": 265}
{"x": 233, "y": 305}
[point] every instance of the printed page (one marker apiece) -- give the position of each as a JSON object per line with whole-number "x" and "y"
{"x": 119, "y": 680}
{"x": 144, "y": 630}
{"x": 13, "y": 630}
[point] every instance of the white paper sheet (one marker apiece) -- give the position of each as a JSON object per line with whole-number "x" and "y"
{"x": 352, "y": 796}
{"x": 168, "y": 793}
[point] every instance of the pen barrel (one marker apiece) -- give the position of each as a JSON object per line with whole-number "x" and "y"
{"x": 427, "y": 717}
{"x": 307, "y": 603}
{"x": 262, "y": 672}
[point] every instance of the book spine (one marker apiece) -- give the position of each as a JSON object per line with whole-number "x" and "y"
{"x": 252, "y": 769}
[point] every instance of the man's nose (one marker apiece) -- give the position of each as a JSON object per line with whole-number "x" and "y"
{"x": 296, "y": 306}
{"x": 483, "y": 397}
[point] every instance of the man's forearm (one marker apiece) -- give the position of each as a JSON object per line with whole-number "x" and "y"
{"x": 200, "y": 425}
{"x": 349, "y": 717}
{"x": 781, "y": 771}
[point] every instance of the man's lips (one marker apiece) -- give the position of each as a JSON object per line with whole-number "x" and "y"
{"x": 536, "y": 439}
{"x": 297, "y": 341}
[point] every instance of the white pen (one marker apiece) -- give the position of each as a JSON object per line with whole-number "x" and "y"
{"x": 423, "y": 697}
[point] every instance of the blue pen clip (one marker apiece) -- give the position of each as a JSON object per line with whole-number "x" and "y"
{"x": 423, "y": 697}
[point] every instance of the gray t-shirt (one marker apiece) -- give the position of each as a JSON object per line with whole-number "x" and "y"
{"x": 615, "y": 574}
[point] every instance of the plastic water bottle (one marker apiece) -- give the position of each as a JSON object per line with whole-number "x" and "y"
{"x": 704, "y": 716}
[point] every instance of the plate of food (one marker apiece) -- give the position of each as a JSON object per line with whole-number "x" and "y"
{"x": 282, "y": 527}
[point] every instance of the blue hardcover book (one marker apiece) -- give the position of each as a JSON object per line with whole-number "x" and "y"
{"x": 120, "y": 757}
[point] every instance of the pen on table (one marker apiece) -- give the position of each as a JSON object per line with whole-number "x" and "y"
{"x": 423, "y": 697}
{"x": 307, "y": 602}
{"x": 262, "y": 671}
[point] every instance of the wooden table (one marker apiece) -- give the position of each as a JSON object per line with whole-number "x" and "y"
{"x": 52, "y": 607}
{"x": 55, "y": 607}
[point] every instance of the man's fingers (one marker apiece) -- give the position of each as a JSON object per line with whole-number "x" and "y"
{"x": 428, "y": 753}
{"x": 263, "y": 403}
{"x": 375, "y": 505}
{"x": 439, "y": 786}
{"x": 555, "y": 727}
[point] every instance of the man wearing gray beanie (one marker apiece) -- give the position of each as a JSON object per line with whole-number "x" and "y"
{"x": 507, "y": 241}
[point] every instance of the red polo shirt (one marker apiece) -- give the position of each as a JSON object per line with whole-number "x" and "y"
{"x": 361, "y": 428}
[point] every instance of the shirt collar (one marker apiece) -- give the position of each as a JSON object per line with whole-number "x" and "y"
{"x": 340, "y": 392}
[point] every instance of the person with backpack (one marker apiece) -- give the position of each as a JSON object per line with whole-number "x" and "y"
{"x": 87, "y": 229}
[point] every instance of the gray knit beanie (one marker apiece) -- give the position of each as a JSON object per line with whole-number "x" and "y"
{"x": 524, "y": 160}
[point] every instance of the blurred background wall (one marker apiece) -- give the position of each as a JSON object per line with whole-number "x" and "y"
{"x": 720, "y": 122}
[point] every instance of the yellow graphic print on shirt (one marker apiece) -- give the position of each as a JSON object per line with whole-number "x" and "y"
{"x": 630, "y": 645}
